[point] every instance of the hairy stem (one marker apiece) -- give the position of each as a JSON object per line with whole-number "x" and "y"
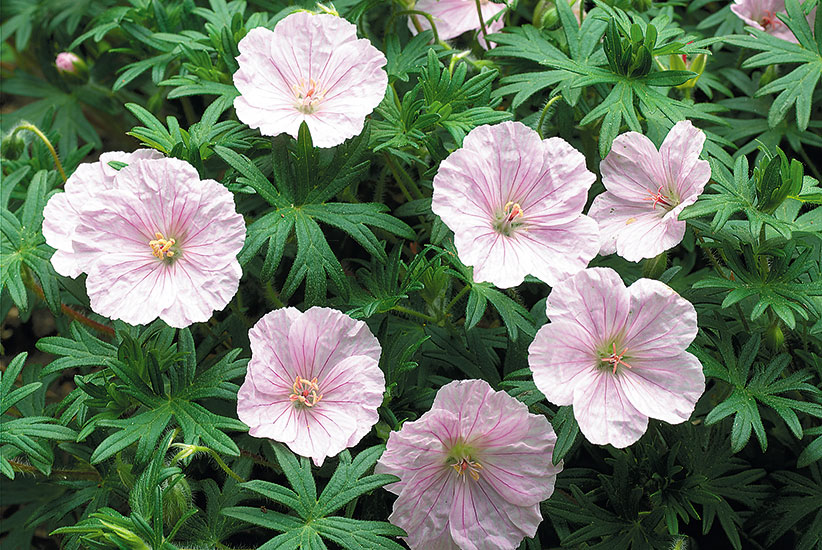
{"x": 36, "y": 131}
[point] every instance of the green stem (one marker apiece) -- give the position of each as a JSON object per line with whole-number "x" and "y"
{"x": 719, "y": 270}
{"x": 403, "y": 179}
{"x": 417, "y": 23}
{"x": 544, "y": 112}
{"x": 87, "y": 475}
{"x": 34, "y": 129}
{"x": 810, "y": 164}
{"x": 188, "y": 450}
{"x": 483, "y": 30}
{"x": 409, "y": 311}
{"x": 456, "y": 298}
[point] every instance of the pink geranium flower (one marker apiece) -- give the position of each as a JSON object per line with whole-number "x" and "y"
{"x": 761, "y": 14}
{"x": 155, "y": 240}
{"x": 472, "y": 470}
{"x": 454, "y": 17}
{"x": 310, "y": 68}
{"x": 514, "y": 203}
{"x": 313, "y": 381}
{"x": 617, "y": 355}
{"x": 646, "y": 190}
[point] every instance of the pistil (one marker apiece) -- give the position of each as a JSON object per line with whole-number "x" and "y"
{"x": 308, "y": 96}
{"x": 467, "y": 465}
{"x": 659, "y": 198}
{"x": 306, "y": 391}
{"x": 507, "y": 220}
{"x": 616, "y": 359}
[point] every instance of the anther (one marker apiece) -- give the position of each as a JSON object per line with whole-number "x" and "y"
{"x": 161, "y": 247}
{"x": 305, "y": 391}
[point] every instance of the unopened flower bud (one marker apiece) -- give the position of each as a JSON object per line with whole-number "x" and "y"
{"x": 546, "y": 16}
{"x": 68, "y": 62}
{"x": 12, "y": 146}
{"x": 774, "y": 337}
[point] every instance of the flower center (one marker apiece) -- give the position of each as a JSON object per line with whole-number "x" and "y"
{"x": 161, "y": 247}
{"x": 509, "y": 218}
{"x": 305, "y": 391}
{"x": 659, "y": 198}
{"x": 615, "y": 359}
{"x": 769, "y": 20}
{"x": 309, "y": 96}
{"x": 465, "y": 464}
{"x": 462, "y": 458}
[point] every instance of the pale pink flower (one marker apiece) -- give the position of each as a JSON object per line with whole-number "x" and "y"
{"x": 310, "y": 68}
{"x": 617, "y": 355}
{"x": 454, "y": 17}
{"x": 313, "y": 382}
{"x": 66, "y": 62}
{"x": 647, "y": 189}
{"x": 514, "y": 203}
{"x": 761, "y": 14}
{"x": 472, "y": 470}
{"x": 155, "y": 240}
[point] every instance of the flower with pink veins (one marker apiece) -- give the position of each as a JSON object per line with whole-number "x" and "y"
{"x": 761, "y": 14}
{"x": 514, "y": 203}
{"x": 313, "y": 382}
{"x": 617, "y": 355}
{"x": 472, "y": 470}
{"x": 155, "y": 240}
{"x": 454, "y": 17}
{"x": 313, "y": 69}
{"x": 647, "y": 189}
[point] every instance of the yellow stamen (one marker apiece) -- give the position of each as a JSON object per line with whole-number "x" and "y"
{"x": 161, "y": 247}
{"x": 305, "y": 391}
{"x": 472, "y": 467}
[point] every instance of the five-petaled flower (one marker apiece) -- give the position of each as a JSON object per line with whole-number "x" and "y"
{"x": 472, "y": 470}
{"x": 313, "y": 381}
{"x": 454, "y": 17}
{"x": 313, "y": 69}
{"x": 646, "y": 190}
{"x": 514, "y": 203}
{"x": 155, "y": 240}
{"x": 617, "y": 355}
{"x": 762, "y": 15}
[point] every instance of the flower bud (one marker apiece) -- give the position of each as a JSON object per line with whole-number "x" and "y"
{"x": 545, "y": 15}
{"x": 176, "y": 501}
{"x": 12, "y": 146}
{"x": 68, "y": 62}
{"x": 774, "y": 338}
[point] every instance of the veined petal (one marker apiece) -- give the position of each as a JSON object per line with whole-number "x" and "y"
{"x": 605, "y": 414}
{"x": 666, "y": 388}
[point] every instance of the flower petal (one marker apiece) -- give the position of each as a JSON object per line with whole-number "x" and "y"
{"x": 559, "y": 356}
{"x": 633, "y": 169}
{"x": 605, "y": 414}
{"x": 664, "y": 388}
{"x": 661, "y": 323}
{"x": 595, "y": 298}
{"x": 680, "y": 157}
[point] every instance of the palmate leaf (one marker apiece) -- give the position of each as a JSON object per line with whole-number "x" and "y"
{"x": 616, "y": 68}
{"x": 299, "y": 196}
{"x": 314, "y": 521}
{"x": 752, "y": 386}
{"x": 797, "y": 507}
{"x": 23, "y": 247}
{"x": 23, "y": 434}
{"x": 784, "y": 287}
{"x": 159, "y": 377}
{"x": 797, "y": 87}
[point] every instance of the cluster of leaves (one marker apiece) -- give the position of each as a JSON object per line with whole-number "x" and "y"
{"x": 100, "y": 446}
